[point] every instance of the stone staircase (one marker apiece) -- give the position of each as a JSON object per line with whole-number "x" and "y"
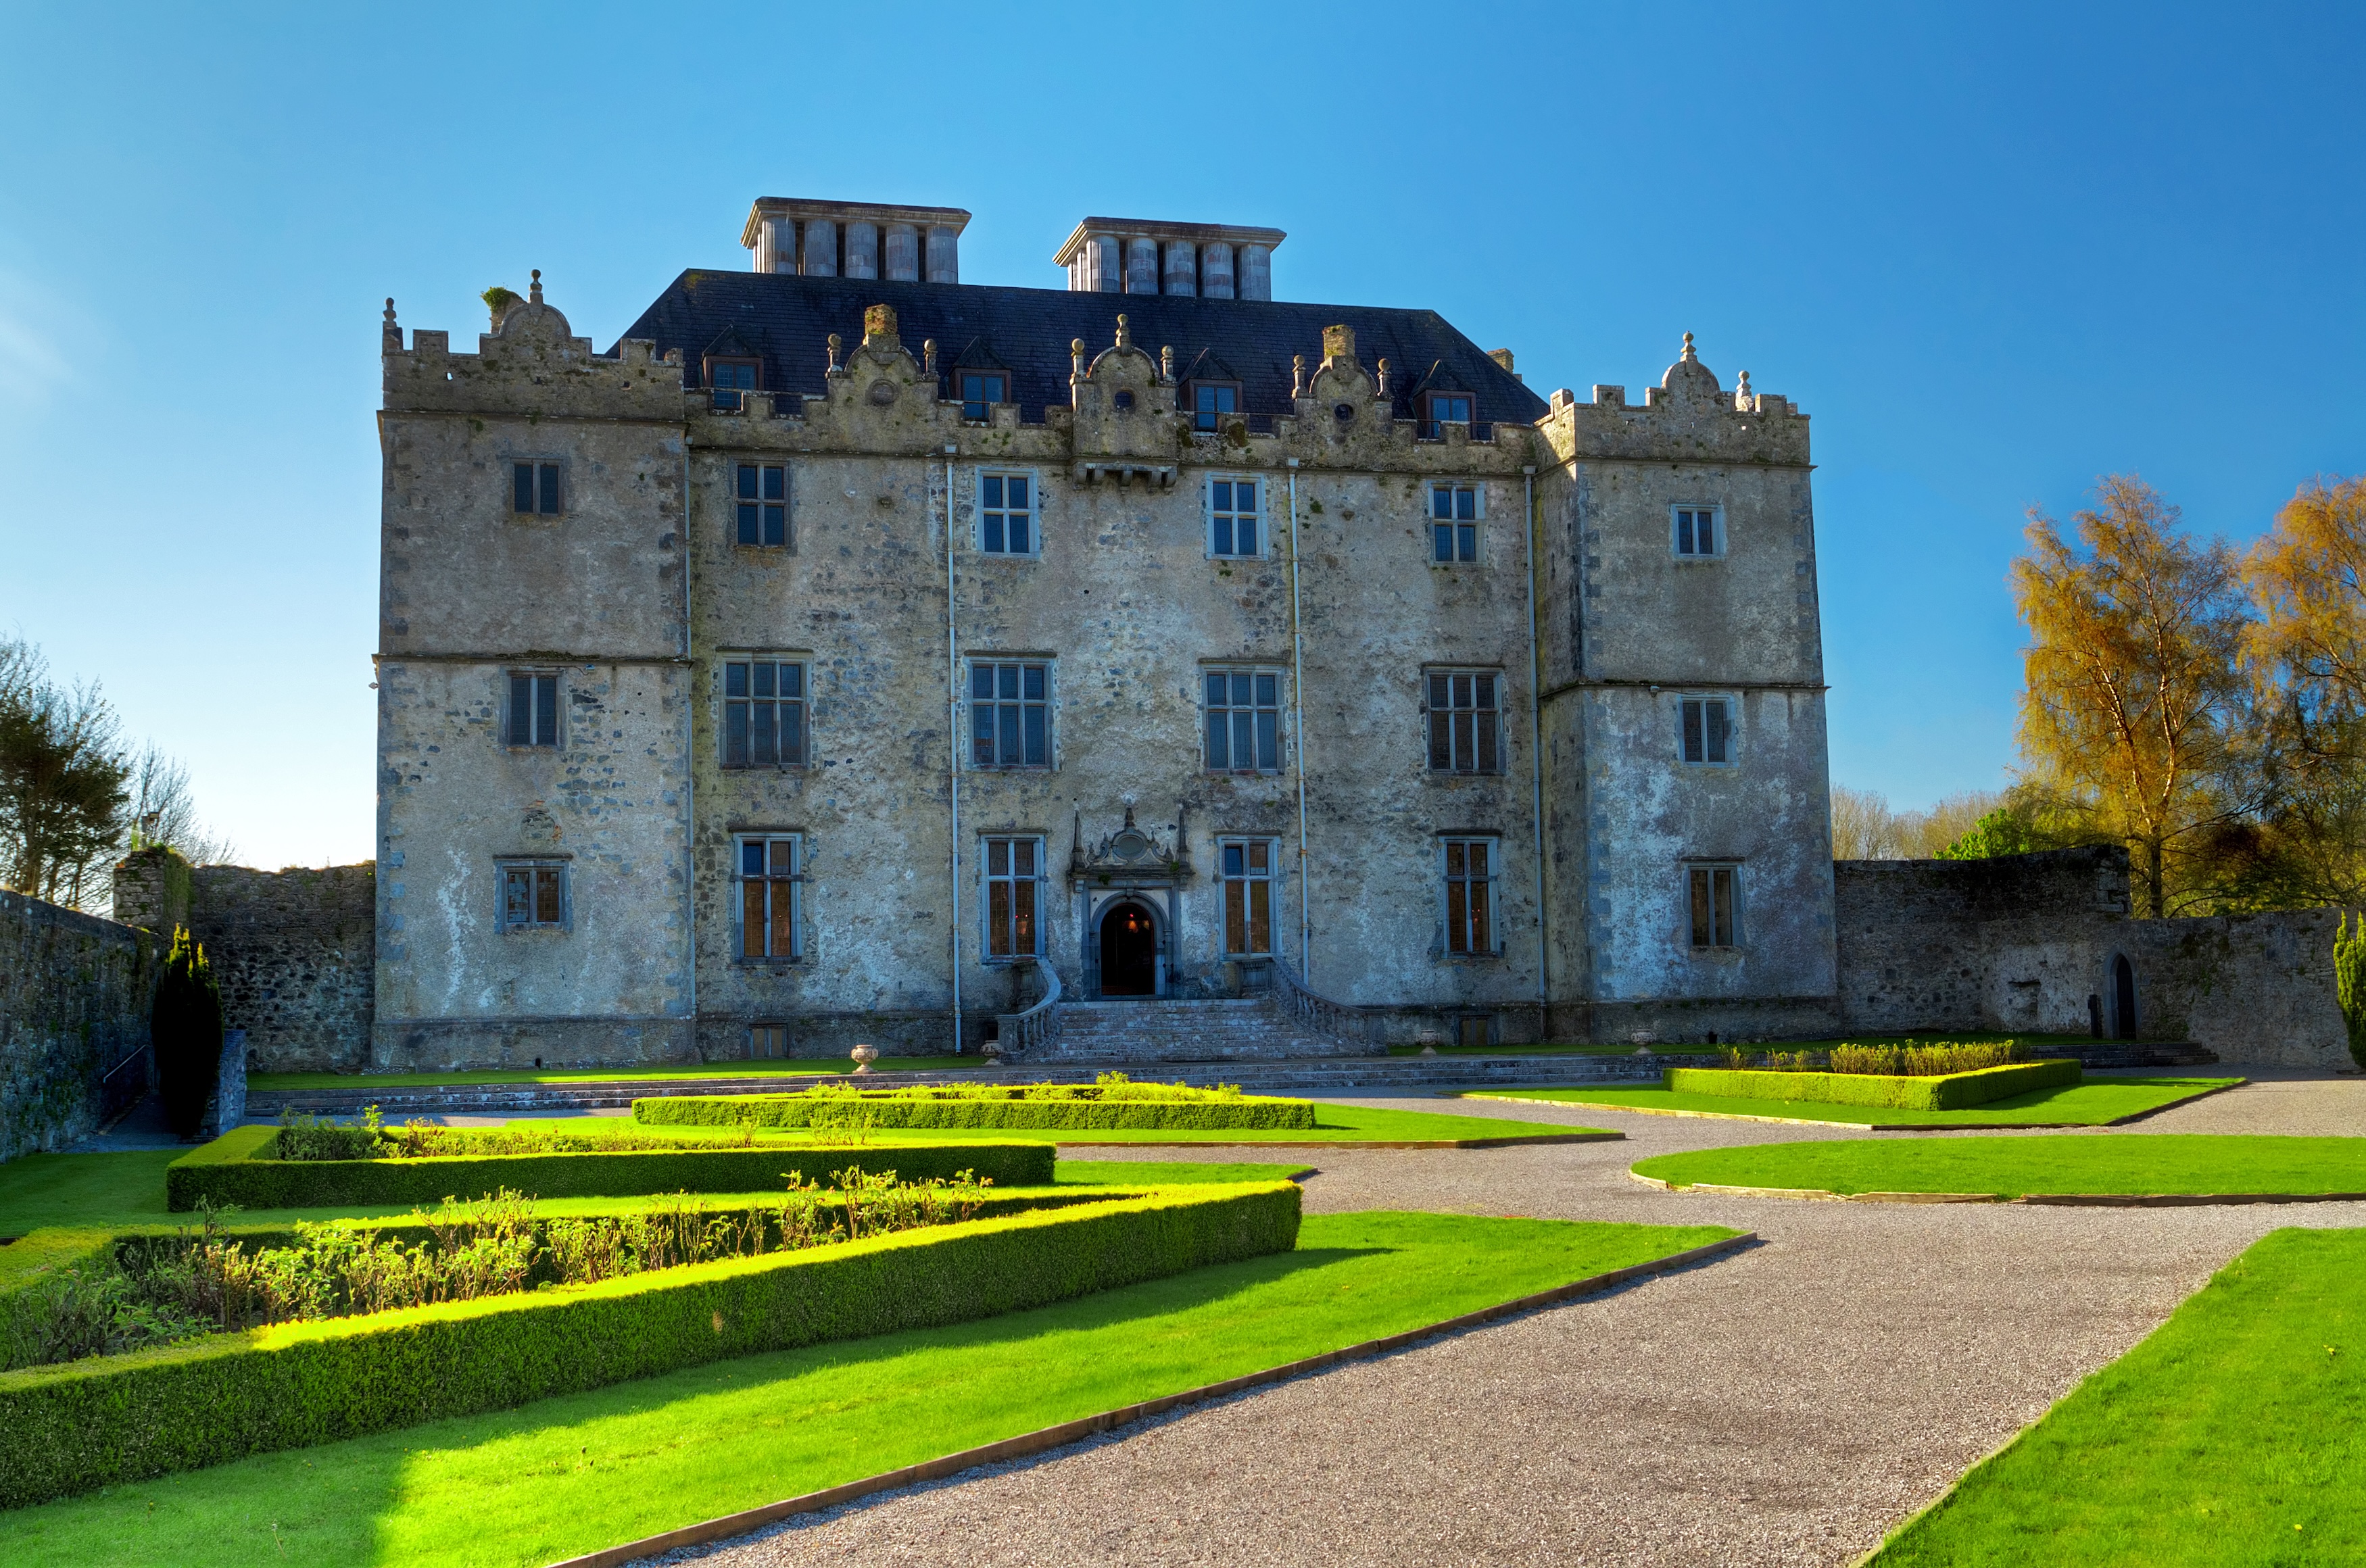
{"x": 1218, "y": 1029}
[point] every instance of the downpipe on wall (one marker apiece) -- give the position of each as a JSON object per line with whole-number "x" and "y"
{"x": 1536, "y": 739}
{"x": 953, "y": 743}
{"x": 1298, "y": 706}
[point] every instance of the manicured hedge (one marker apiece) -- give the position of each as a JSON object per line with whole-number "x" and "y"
{"x": 1951, "y": 1091}
{"x": 1021, "y": 1106}
{"x": 87, "y": 1424}
{"x": 236, "y": 1168}
{"x": 24, "y": 1264}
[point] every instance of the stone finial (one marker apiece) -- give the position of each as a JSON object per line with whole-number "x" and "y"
{"x": 533, "y": 289}
{"x": 1741, "y": 393}
{"x": 1076, "y": 357}
{"x": 1338, "y": 345}
{"x": 1384, "y": 378}
{"x": 1298, "y": 375}
{"x": 836, "y": 343}
{"x": 1167, "y": 362}
{"x": 879, "y": 328}
{"x": 392, "y": 330}
{"x": 1688, "y": 357}
{"x": 1124, "y": 332}
{"x": 928, "y": 355}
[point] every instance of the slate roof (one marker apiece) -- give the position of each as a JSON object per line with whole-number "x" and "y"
{"x": 786, "y": 319}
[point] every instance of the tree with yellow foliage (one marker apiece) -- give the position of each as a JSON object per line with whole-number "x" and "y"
{"x": 2135, "y": 702}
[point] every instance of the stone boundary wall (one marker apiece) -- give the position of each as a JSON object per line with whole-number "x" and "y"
{"x": 75, "y": 993}
{"x": 294, "y": 951}
{"x": 2020, "y": 942}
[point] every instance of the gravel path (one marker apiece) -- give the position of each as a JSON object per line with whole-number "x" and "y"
{"x": 1785, "y": 1406}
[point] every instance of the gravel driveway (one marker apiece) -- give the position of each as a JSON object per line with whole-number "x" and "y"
{"x": 1784, "y": 1407}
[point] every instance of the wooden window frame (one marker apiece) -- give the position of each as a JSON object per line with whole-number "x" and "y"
{"x": 1023, "y": 902}
{"x": 1705, "y": 918}
{"x": 762, "y": 506}
{"x": 1232, "y": 516}
{"x": 1472, "y": 921}
{"x": 769, "y": 883}
{"x": 1018, "y": 704}
{"x": 763, "y": 1038}
{"x": 729, "y": 400}
{"x": 1211, "y": 419}
{"x": 1432, "y": 427}
{"x": 546, "y": 482}
{"x": 979, "y": 410}
{"x": 1237, "y": 893}
{"x": 1708, "y": 737}
{"x": 744, "y": 756}
{"x": 544, "y": 873}
{"x": 1485, "y": 739}
{"x": 1232, "y": 710}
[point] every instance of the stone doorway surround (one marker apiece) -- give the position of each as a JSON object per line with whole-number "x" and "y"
{"x": 1131, "y": 961}
{"x": 1146, "y": 868}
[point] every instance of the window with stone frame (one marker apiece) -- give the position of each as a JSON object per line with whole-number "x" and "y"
{"x": 535, "y": 488}
{"x": 1470, "y": 866}
{"x": 1442, "y": 408}
{"x": 1006, "y": 513}
{"x": 1455, "y": 509}
{"x": 1245, "y": 868}
{"x": 1704, "y": 731}
{"x": 1234, "y": 519}
{"x": 1713, "y": 891}
{"x": 1697, "y": 533}
{"x": 763, "y": 712}
{"x": 534, "y": 894}
{"x": 1244, "y": 720}
{"x": 1463, "y": 708}
{"x": 532, "y": 719}
{"x": 760, "y": 492}
{"x": 1011, "y": 713}
{"x": 1013, "y": 873}
{"x": 770, "y": 869}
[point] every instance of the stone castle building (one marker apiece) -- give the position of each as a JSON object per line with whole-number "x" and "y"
{"x": 846, "y": 639}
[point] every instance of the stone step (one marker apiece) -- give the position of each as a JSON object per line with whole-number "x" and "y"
{"x": 1175, "y": 1030}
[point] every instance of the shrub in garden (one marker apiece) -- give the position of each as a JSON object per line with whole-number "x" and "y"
{"x": 2349, "y": 980}
{"x": 186, "y": 1028}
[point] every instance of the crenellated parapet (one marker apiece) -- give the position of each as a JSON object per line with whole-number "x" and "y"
{"x": 530, "y": 364}
{"x": 1688, "y": 418}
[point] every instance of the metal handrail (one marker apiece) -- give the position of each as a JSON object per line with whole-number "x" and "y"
{"x": 1340, "y": 1020}
{"x": 1035, "y": 1026}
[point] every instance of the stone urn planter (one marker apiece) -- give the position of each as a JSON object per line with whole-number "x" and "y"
{"x": 863, "y": 1056}
{"x": 1429, "y": 1039}
{"x": 992, "y": 1052}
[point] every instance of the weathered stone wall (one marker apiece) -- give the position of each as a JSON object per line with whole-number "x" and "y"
{"x": 2022, "y": 942}
{"x": 291, "y": 950}
{"x": 75, "y": 998}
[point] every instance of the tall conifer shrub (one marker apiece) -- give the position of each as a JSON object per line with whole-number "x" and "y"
{"x": 2349, "y": 980}
{"x": 187, "y": 1029}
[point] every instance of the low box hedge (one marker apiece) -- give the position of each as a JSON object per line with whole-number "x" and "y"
{"x": 237, "y": 1167}
{"x": 1061, "y": 1107}
{"x": 1948, "y": 1092}
{"x": 92, "y": 1423}
{"x": 24, "y": 1264}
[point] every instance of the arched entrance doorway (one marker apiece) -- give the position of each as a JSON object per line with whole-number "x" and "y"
{"x": 1128, "y": 951}
{"x": 2124, "y": 997}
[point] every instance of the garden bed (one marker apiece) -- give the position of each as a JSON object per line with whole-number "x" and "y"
{"x": 240, "y": 1168}
{"x": 1063, "y": 1106}
{"x": 1939, "y": 1092}
{"x": 2102, "y": 1102}
{"x": 2185, "y": 1166}
{"x": 86, "y": 1424}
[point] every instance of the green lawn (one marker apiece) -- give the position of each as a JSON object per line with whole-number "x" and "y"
{"x": 2009, "y": 1167}
{"x": 2229, "y": 1439}
{"x": 779, "y": 1069}
{"x": 111, "y": 1189}
{"x": 2096, "y": 1103}
{"x": 574, "y": 1474}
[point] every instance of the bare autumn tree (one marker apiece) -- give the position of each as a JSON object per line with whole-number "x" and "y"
{"x": 2136, "y": 701}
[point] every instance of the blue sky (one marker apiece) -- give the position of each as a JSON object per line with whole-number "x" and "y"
{"x": 1994, "y": 251}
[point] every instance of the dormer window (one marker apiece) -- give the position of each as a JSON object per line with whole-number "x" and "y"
{"x": 1443, "y": 408}
{"x": 980, "y": 391}
{"x": 1211, "y": 402}
{"x": 729, "y": 378}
